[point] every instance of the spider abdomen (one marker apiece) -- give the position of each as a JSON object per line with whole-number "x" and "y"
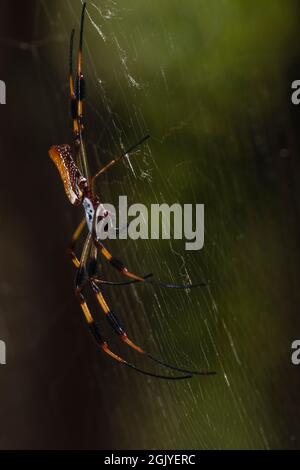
{"x": 71, "y": 177}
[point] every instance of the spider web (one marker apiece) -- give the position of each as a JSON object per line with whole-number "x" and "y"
{"x": 201, "y": 83}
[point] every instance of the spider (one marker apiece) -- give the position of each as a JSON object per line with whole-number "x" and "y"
{"x": 80, "y": 190}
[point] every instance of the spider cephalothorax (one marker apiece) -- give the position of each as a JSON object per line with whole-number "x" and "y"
{"x": 79, "y": 187}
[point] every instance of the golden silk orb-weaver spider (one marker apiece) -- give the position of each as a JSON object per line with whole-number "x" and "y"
{"x": 80, "y": 190}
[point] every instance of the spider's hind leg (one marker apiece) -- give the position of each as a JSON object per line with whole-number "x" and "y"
{"x": 116, "y": 263}
{"x": 120, "y": 331}
{"x": 119, "y": 266}
{"x": 85, "y": 268}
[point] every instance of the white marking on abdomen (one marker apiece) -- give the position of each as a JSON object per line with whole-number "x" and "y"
{"x": 89, "y": 213}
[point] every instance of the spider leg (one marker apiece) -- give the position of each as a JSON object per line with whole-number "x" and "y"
{"x": 102, "y": 282}
{"x": 73, "y": 99}
{"x": 149, "y": 282}
{"x": 80, "y": 95}
{"x": 119, "y": 266}
{"x": 80, "y": 84}
{"x": 71, "y": 247}
{"x": 81, "y": 280}
{"x": 77, "y": 95}
{"x": 76, "y": 262}
{"x": 120, "y": 157}
{"x": 118, "y": 328}
{"x": 116, "y": 263}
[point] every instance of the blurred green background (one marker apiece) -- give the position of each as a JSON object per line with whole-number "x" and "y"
{"x": 211, "y": 82}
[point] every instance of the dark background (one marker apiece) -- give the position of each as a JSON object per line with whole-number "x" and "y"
{"x": 215, "y": 96}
